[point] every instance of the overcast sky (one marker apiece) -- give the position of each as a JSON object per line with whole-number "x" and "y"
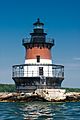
{"x": 62, "y": 22}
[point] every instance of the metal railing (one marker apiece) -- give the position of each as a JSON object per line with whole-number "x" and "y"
{"x": 32, "y": 70}
{"x": 30, "y": 40}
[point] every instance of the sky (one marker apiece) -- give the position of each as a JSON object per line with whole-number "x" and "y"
{"x": 62, "y": 22}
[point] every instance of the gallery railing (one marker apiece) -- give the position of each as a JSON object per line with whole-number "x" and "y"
{"x": 32, "y": 70}
{"x": 30, "y": 40}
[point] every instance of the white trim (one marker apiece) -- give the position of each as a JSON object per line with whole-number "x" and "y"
{"x": 34, "y": 61}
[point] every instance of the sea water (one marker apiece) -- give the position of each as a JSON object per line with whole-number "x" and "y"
{"x": 39, "y": 111}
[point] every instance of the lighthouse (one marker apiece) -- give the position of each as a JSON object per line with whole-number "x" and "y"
{"x": 38, "y": 70}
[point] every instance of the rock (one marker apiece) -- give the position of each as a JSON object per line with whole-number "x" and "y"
{"x": 54, "y": 95}
{"x": 72, "y": 96}
{"x": 51, "y": 94}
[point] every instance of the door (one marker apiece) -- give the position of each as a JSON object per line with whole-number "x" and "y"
{"x": 40, "y": 70}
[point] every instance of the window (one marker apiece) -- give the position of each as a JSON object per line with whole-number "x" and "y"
{"x": 38, "y": 58}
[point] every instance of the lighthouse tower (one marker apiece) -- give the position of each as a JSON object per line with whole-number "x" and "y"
{"x": 38, "y": 52}
{"x": 38, "y": 72}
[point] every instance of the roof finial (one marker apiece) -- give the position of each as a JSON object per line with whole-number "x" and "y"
{"x": 38, "y": 20}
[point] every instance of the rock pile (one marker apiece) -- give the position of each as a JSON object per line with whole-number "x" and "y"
{"x": 73, "y": 96}
{"x": 55, "y": 95}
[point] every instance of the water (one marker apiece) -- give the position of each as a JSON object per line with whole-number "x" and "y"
{"x": 40, "y": 111}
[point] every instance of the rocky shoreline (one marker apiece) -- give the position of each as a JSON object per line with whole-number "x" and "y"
{"x": 40, "y": 95}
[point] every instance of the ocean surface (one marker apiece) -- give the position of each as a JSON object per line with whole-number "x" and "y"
{"x": 39, "y": 111}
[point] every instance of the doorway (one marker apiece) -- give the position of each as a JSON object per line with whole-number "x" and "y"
{"x": 40, "y": 70}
